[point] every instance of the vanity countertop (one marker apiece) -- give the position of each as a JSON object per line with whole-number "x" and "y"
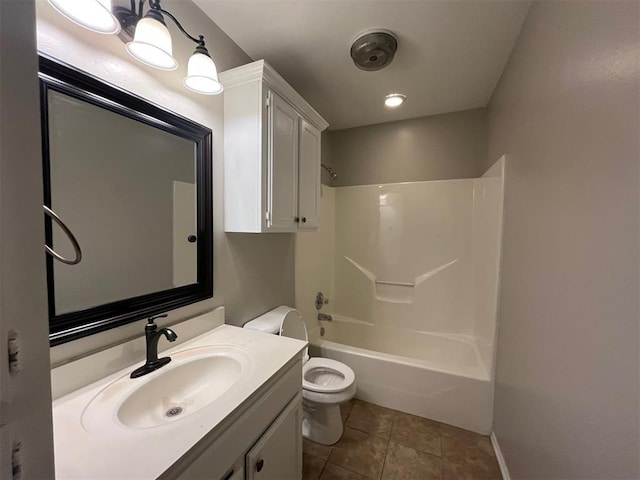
{"x": 121, "y": 452}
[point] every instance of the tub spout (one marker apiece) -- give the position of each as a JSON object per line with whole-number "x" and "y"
{"x": 323, "y": 317}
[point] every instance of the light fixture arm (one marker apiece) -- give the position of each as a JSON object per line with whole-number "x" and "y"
{"x": 129, "y": 17}
{"x": 155, "y": 5}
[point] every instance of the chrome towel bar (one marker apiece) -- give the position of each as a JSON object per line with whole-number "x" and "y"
{"x": 76, "y": 246}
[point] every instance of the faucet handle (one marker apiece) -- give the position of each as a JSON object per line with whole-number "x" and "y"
{"x": 153, "y": 317}
{"x": 320, "y": 300}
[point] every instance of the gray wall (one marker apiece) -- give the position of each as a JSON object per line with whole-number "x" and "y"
{"x": 252, "y": 273}
{"x": 437, "y": 147}
{"x": 325, "y": 158}
{"x": 566, "y": 112}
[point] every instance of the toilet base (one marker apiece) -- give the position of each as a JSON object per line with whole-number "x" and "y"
{"x": 321, "y": 423}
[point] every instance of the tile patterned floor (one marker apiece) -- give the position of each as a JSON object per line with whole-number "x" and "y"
{"x": 382, "y": 444}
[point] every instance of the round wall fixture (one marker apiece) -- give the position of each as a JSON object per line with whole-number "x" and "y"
{"x": 374, "y": 49}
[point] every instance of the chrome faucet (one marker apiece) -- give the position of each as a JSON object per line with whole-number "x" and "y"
{"x": 152, "y": 335}
{"x": 323, "y": 317}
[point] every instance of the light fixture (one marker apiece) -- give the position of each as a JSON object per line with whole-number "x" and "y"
{"x": 394, "y": 100}
{"x": 202, "y": 74}
{"x": 151, "y": 43}
{"x": 147, "y": 37}
{"x": 92, "y": 14}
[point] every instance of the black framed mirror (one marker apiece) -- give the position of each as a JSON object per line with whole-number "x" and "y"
{"x": 133, "y": 182}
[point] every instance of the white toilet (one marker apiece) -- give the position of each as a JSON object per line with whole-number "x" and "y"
{"x": 326, "y": 383}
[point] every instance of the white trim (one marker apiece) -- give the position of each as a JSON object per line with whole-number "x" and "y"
{"x": 262, "y": 71}
{"x": 503, "y": 465}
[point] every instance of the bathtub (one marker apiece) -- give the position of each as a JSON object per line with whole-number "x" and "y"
{"x": 437, "y": 376}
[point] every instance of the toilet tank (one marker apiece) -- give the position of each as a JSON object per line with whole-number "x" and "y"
{"x": 283, "y": 320}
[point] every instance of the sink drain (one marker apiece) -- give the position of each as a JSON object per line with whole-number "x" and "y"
{"x": 174, "y": 411}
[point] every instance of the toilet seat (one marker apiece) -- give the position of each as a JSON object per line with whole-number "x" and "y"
{"x": 324, "y": 375}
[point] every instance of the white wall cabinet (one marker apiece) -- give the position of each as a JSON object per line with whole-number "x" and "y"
{"x": 272, "y": 153}
{"x": 309, "y": 176}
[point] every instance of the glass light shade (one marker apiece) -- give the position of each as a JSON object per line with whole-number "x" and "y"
{"x": 202, "y": 75}
{"x": 152, "y": 45}
{"x": 94, "y": 15}
{"x": 394, "y": 100}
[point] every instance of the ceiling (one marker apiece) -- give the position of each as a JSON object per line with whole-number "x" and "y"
{"x": 450, "y": 55}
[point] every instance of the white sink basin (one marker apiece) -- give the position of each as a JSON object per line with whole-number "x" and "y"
{"x": 193, "y": 380}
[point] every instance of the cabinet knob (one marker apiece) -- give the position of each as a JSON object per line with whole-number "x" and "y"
{"x": 192, "y": 239}
{"x": 304, "y": 219}
{"x": 297, "y": 219}
{"x": 260, "y": 465}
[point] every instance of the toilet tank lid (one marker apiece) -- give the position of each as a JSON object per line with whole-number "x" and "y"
{"x": 272, "y": 321}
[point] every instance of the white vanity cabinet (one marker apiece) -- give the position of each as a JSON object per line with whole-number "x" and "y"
{"x": 261, "y": 441}
{"x": 278, "y": 453}
{"x": 271, "y": 153}
{"x": 250, "y": 428}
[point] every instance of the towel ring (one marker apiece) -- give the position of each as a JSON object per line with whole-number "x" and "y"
{"x": 76, "y": 246}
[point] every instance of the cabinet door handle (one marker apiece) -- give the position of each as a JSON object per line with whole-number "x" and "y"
{"x": 297, "y": 219}
{"x": 260, "y": 465}
{"x": 304, "y": 219}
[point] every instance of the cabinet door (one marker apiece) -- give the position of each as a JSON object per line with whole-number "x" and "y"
{"x": 309, "y": 176}
{"x": 282, "y": 175}
{"x": 277, "y": 455}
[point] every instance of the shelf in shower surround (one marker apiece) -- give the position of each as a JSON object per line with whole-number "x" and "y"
{"x": 393, "y": 291}
{"x": 399, "y": 284}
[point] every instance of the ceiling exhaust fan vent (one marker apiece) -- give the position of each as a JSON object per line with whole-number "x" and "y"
{"x": 374, "y": 49}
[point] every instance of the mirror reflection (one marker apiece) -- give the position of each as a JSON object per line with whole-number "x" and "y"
{"x": 127, "y": 190}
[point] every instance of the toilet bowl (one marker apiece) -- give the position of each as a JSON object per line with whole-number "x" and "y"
{"x": 326, "y": 383}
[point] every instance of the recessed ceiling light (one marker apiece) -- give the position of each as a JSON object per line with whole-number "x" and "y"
{"x": 394, "y": 100}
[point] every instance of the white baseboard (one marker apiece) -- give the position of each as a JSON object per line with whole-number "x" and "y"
{"x": 503, "y": 465}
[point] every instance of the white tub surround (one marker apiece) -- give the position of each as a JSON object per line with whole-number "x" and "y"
{"x": 314, "y": 262}
{"x": 415, "y": 278}
{"x": 111, "y": 450}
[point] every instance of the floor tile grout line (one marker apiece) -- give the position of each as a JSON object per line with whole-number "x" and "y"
{"x": 319, "y": 458}
{"x": 323, "y": 467}
{"x": 350, "y": 470}
{"x": 368, "y": 433}
{"x": 441, "y": 449}
{"x": 384, "y": 462}
{"x": 440, "y": 458}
